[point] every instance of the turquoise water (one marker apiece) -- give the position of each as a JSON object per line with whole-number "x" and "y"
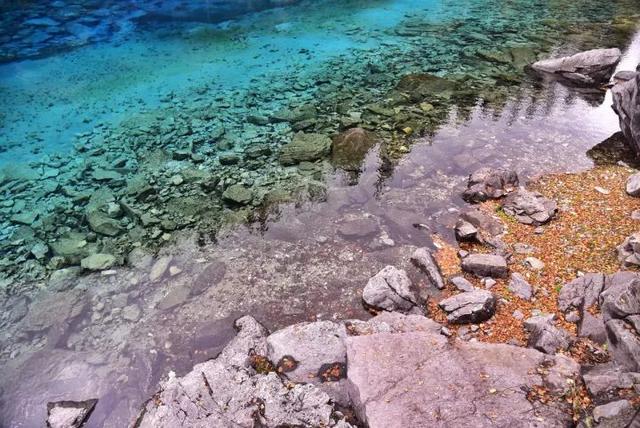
{"x": 124, "y": 127}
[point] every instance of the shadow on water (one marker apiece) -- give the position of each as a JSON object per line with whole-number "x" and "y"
{"x": 304, "y": 255}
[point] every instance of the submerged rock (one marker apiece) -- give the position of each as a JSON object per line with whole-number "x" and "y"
{"x": 69, "y": 414}
{"x": 98, "y": 261}
{"x": 469, "y": 307}
{"x": 350, "y": 148}
{"x": 530, "y": 207}
{"x": 489, "y": 183}
{"x": 418, "y": 87}
{"x": 390, "y": 290}
{"x": 305, "y": 148}
{"x": 587, "y": 68}
{"x": 238, "y": 194}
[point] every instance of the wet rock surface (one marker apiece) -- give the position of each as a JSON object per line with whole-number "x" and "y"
{"x": 488, "y": 183}
{"x": 588, "y": 68}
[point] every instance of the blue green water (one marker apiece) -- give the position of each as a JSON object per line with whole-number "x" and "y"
{"x": 122, "y": 125}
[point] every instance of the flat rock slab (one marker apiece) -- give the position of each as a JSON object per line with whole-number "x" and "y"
{"x": 469, "y": 307}
{"x": 418, "y": 379}
{"x": 483, "y": 265}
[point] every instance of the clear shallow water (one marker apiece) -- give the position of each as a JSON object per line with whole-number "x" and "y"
{"x": 129, "y": 101}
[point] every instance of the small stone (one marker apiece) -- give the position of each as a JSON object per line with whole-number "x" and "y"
{"x": 534, "y": 263}
{"x": 159, "y": 268}
{"x": 98, "y": 261}
{"x": 635, "y": 215}
{"x": 519, "y": 286}
{"x": 633, "y": 185}
{"x": 517, "y": 314}
{"x": 530, "y": 207}
{"x": 602, "y": 190}
{"x": 538, "y": 230}
{"x": 489, "y": 183}
{"x": 174, "y": 270}
{"x": 488, "y": 283}
{"x": 462, "y": 284}
{"x": 132, "y": 313}
{"x": 177, "y": 180}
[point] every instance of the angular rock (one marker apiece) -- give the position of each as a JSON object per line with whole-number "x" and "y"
{"x": 101, "y": 223}
{"x": 227, "y": 392}
{"x": 629, "y": 250}
{"x": 392, "y": 322}
{"x": 159, "y": 268}
{"x": 626, "y": 104}
{"x": 99, "y": 261}
{"x": 545, "y": 336}
{"x": 238, "y": 194}
{"x": 462, "y": 284}
{"x": 469, "y": 307}
{"x": 418, "y": 87}
{"x": 69, "y": 414}
{"x": 582, "y": 292}
{"x": 311, "y": 346}
{"x": 485, "y": 265}
{"x": 530, "y": 207}
{"x": 305, "y": 148}
{"x": 465, "y": 231}
{"x": 424, "y": 261}
{"x": 633, "y": 185}
{"x": 605, "y": 378}
{"x": 419, "y": 379}
{"x": 390, "y": 290}
{"x": 489, "y": 183}
{"x": 589, "y": 68}
{"x": 624, "y": 344}
{"x": 615, "y": 414}
{"x": 519, "y": 286}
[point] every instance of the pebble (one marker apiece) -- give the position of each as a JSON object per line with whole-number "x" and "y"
{"x": 533, "y": 263}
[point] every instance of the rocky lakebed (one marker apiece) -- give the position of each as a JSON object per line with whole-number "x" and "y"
{"x": 355, "y": 215}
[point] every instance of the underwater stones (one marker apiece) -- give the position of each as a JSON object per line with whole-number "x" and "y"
{"x": 530, "y": 207}
{"x": 469, "y": 307}
{"x": 626, "y": 104}
{"x": 238, "y": 194}
{"x": 350, "y": 148}
{"x": 485, "y": 265}
{"x": 489, "y": 183}
{"x": 131, "y": 313}
{"x": 299, "y": 114}
{"x": 159, "y": 268}
{"x": 25, "y": 218}
{"x": 72, "y": 246}
{"x": 305, "y": 147}
{"x": 101, "y": 223}
{"x": 418, "y": 87}
{"x": 359, "y": 228}
{"x": 50, "y": 309}
{"x": 228, "y": 158}
{"x": 69, "y": 414}
{"x": 98, "y": 261}
{"x": 390, "y": 290}
{"x": 424, "y": 261}
{"x": 587, "y": 68}
{"x": 106, "y": 175}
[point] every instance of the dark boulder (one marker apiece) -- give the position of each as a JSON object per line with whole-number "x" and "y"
{"x": 489, "y": 183}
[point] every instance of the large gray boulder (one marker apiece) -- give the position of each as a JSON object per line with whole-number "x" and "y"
{"x": 489, "y": 183}
{"x": 419, "y": 379}
{"x": 530, "y": 207}
{"x": 228, "y": 392}
{"x": 390, "y": 290}
{"x": 483, "y": 265}
{"x": 469, "y": 307}
{"x": 590, "y": 68}
{"x": 307, "y": 347}
{"x": 626, "y": 104}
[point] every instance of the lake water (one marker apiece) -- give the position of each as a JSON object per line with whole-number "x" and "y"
{"x": 143, "y": 140}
